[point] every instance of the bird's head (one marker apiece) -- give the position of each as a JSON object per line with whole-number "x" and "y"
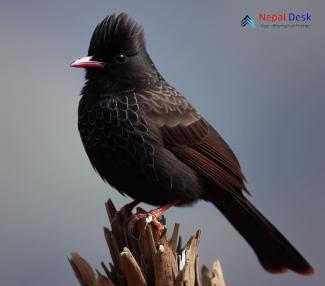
{"x": 117, "y": 51}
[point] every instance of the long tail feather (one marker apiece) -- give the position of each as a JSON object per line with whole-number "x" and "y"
{"x": 273, "y": 250}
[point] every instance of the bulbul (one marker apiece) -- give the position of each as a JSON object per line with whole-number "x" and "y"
{"x": 147, "y": 141}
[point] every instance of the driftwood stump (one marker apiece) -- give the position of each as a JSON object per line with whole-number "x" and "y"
{"x": 146, "y": 257}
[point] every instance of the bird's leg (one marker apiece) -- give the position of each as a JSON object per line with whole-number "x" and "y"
{"x": 159, "y": 211}
{"x": 151, "y": 216}
{"x": 126, "y": 210}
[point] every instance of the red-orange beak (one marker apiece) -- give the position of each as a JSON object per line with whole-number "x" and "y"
{"x": 86, "y": 63}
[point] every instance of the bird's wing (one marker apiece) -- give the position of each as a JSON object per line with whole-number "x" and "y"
{"x": 194, "y": 141}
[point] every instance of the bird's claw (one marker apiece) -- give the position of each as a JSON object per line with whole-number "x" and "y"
{"x": 150, "y": 218}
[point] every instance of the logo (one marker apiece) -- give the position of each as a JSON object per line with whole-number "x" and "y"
{"x": 248, "y": 21}
{"x": 278, "y": 20}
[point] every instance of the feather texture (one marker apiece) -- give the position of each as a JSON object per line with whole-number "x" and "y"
{"x": 193, "y": 140}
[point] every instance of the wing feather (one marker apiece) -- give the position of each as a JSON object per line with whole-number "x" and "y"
{"x": 192, "y": 139}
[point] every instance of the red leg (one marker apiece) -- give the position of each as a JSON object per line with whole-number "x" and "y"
{"x": 151, "y": 216}
{"x": 159, "y": 211}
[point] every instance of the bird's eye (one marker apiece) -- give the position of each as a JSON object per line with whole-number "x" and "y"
{"x": 121, "y": 58}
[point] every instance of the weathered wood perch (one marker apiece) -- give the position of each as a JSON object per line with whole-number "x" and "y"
{"x": 146, "y": 257}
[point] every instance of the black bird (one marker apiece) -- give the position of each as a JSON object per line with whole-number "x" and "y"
{"x": 147, "y": 141}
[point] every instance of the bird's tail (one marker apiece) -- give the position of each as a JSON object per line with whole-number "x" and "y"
{"x": 273, "y": 250}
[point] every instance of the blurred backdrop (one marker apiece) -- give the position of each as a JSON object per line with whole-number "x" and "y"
{"x": 262, "y": 89}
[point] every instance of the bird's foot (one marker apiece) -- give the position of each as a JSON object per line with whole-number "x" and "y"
{"x": 151, "y": 217}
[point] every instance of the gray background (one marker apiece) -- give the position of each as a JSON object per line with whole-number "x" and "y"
{"x": 262, "y": 89}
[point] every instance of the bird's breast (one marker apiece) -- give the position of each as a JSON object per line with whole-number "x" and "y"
{"x": 115, "y": 134}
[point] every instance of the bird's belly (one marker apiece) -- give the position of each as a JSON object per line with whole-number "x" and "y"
{"x": 130, "y": 178}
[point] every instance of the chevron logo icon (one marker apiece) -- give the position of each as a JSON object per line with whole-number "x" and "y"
{"x": 248, "y": 21}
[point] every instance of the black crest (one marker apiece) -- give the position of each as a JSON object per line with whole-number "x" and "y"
{"x": 116, "y": 34}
